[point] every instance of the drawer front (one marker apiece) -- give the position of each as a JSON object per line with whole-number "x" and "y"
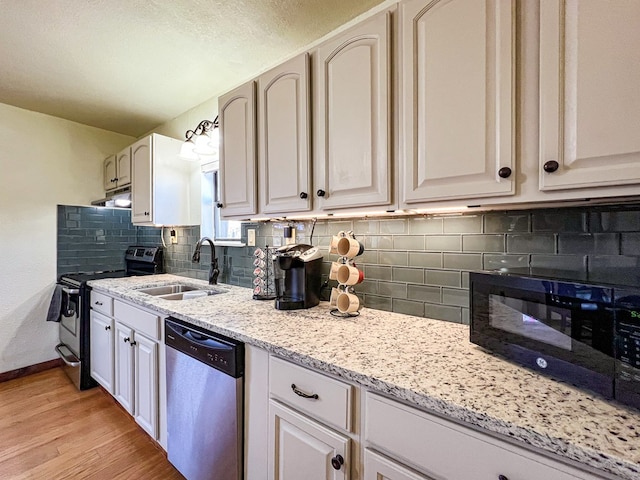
{"x": 140, "y": 320}
{"x": 102, "y": 303}
{"x": 333, "y": 404}
{"x": 444, "y": 449}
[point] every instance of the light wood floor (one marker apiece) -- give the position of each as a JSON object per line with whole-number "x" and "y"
{"x": 49, "y": 430}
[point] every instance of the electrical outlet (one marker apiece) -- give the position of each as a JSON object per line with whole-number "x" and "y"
{"x": 251, "y": 237}
{"x": 173, "y": 236}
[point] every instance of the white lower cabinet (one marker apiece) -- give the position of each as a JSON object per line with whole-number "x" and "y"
{"x": 445, "y": 450}
{"x": 146, "y": 384}
{"x": 377, "y": 467}
{"x": 101, "y": 349}
{"x": 303, "y": 448}
{"x": 124, "y": 366}
{"x": 310, "y": 424}
{"x": 127, "y": 359}
{"x": 136, "y": 376}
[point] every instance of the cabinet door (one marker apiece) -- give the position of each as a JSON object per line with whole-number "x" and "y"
{"x": 352, "y": 162}
{"x": 301, "y": 448}
{"x": 457, "y": 99}
{"x": 589, "y": 95}
{"x": 146, "y": 384}
{"x": 285, "y": 160}
{"x": 141, "y": 181}
{"x": 377, "y": 467}
{"x": 123, "y": 167}
{"x": 238, "y": 178}
{"x": 101, "y": 349}
{"x": 124, "y": 364}
{"x": 109, "y": 174}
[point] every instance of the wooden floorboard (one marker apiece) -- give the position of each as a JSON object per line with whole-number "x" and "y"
{"x": 50, "y": 430}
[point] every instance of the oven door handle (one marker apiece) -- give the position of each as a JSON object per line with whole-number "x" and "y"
{"x": 67, "y": 357}
{"x": 71, "y": 291}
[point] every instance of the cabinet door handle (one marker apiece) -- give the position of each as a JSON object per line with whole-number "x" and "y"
{"x": 108, "y": 327}
{"x": 133, "y": 343}
{"x": 551, "y": 166}
{"x": 126, "y": 339}
{"x": 502, "y": 477}
{"x": 338, "y": 461}
{"x": 303, "y": 195}
{"x": 146, "y": 214}
{"x": 302, "y": 394}
{"x": 321, "y": 193}
{"x": 97, "y": 303}
{"x": 504, "y": 172}
{"x": 219, "y": 205}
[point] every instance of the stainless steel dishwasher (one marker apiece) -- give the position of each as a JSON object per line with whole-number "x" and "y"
{"x": 204, "y": 402}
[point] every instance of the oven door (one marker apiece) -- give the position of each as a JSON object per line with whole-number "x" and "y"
{"x": 562, "y": 329}
{"x": 70, "y": 319}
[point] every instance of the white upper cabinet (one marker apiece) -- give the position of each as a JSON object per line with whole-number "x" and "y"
{"x": 117, "y": 170}
{"x": 352, "y": 92}
{"x": 457, "y": 99}
{"x": 165, "y": 188}
{"x": 238, "y": 172}
{"x": 142, "y": 171}
{"x": 109, "y": 173}
{"x": 589, "y": 94}
{"x": 284, "y": 137}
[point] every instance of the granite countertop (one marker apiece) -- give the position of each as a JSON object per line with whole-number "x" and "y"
{"x": 428, "y": 363}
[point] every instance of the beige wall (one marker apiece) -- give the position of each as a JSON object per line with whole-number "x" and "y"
{"x": 44, "y": 161}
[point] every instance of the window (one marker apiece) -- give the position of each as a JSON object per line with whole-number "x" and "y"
{"x": 212, "y": 225}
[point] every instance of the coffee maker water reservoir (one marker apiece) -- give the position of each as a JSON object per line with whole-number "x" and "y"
{"x": 297, "y": 273}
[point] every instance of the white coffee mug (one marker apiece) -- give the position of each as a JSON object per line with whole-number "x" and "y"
{"x": 333, "y": 300}
{"x": 348, "y": 303}
{"x": 349, "y": 247}
{"x": 333, "y": 273}
{"x": 349, "y": 275}
{"x": 333, "y": 246}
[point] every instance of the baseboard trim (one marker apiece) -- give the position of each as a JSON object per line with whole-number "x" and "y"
{"x": 31, "y": 369}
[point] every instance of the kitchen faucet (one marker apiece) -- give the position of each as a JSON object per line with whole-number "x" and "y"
{"x": 213, "y": 269}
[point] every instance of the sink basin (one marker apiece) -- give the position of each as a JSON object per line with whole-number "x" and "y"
{"x": 189, "y": 295}
{"x": 178, "y": 292}
{"x": 167, "y": 289}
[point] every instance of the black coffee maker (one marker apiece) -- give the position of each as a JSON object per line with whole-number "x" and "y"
{"x": 297, "y": 269}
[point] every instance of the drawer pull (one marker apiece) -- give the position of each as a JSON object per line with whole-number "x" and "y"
{"x": 338, "y": 461}
{"x": 98, "y": 303}
{"x": 502, "y": 477}
{"x": 302, "y": 394}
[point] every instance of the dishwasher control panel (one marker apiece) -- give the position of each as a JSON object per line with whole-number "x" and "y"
{"x": 215, "y": 350}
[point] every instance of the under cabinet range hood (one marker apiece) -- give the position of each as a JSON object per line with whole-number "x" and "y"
{"x": 116, "y": 198}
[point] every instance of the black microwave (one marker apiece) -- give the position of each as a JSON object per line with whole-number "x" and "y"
{"x": 585, "y": 334}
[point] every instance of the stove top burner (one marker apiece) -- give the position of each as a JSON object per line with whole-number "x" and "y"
{"x": 80, "y": 278}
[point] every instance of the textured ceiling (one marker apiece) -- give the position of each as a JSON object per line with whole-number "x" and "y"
{"x": 130, "y": 65}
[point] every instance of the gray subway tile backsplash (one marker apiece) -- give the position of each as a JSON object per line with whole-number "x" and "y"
{"x": 531, "y": 243}
{"x": 585, "y": 243}
{"x": 416, "y": 265}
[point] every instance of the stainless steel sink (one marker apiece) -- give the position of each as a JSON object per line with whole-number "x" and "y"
{"x": 179, "y": 292}
{"x": 167, "y": 289}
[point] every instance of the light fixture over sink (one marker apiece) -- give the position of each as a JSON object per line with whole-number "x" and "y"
{"x": 201, "y": 142}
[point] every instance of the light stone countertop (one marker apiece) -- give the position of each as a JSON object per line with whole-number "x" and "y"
{"x": 428, "y": 363}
